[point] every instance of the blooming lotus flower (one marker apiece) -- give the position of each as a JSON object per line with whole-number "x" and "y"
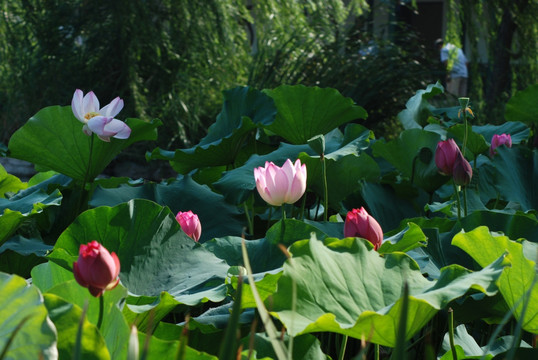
{"x": 99, "y": 121}
{"x": 281, "y": 185}
{"x": 498, "y": 140}
{"x": 96, "y": 268}
{"x": 190, "y": 224}
{"x": 445, "y": 155}
{"x": 462, "y": 172}
{"x": 361, "y": 224}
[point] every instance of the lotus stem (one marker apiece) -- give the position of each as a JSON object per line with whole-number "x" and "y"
{"x": 457, "y": 193}
{"x": 376, "y": 351}
{"x": 451, "y": 333}
{"x": 343, "y": 347}
{"x": 464, "y": 133}
{"x": 85, "y": 181}
{"x": 101, "y": 311}
{"x": 464, "y": 201}
{"x": 249, "y": 220}
{"x": 325, "y": 189}
{"x": 303, "y": 204}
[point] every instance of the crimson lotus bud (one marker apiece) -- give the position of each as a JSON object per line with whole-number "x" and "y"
{"x": 96, "y": 268}
{"x": 190, "y": 224}
{"x": 498, "y": 140}
{"x": 445, "y": 155}
{"x": 361, "y": 224}
{"x": 462, "y": 172}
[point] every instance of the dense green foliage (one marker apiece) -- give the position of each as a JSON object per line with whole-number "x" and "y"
{"x": 443, "y": 261}
{"x": 172, "y": 59}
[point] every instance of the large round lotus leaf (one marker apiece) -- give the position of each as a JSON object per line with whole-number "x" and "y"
{"x": 344, "y": 286}
{"x": 22, "y": 305}
{"x": 26, "y": 203}
{"x": 155, "y": 254}
{"x": 243, "y": 110}
{"x": 66, "y": 317}
{"x": 182, "y": 194}
{"x": 511, "y": 175}
{"x": 9, "y": 183}
{"x": 417, "y": 107}
{"x": 516, "y": 281}
{"x": 53, "y": 139}
{"x": 413, "y": 155}
{"x": 304, "y": 112}
{"x": 523, "y": 106}
{"x": 65, "y": 298}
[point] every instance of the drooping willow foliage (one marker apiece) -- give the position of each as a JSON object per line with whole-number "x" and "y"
{"x": 171, "y": 59}
{"x": 506, "y": 33}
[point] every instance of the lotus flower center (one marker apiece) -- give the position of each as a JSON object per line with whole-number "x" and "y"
{"x": 89, "y": 115}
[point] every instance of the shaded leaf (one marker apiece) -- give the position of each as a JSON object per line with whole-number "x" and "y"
{"x": 182, "y": 194}
{"x": 243, "y": 110}
{"x": 522, "y": 106}
{"x": 417, "y": 107}
{"x": 403, "y": 153}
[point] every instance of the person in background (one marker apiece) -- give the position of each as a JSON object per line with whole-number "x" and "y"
{"x": 457, "y": 65}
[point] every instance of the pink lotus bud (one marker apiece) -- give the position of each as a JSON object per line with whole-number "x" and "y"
{"x": 498, "y": 140}
{"x": 462, "y": 172}
{"x": 190, "y": 224}
{"x": 361, "y": 224}
{"x": 281, "y": 185}
{"x": 96, "y": 268}
{"x": 445, "y": 155}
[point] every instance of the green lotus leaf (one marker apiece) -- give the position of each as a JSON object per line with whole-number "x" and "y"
{"x": 21, "y": 305}
{"x": 66, "y": 317}
{"x": 476, "y": 143}
{"x": 243, "y": 110}
{"x": 509, "y": 177}
{"x": 417, "y": 107}
{"x": 304, "y": 112}
{"x": 413, "y": 153}
{"x": 67, "y": 297}
{"x": 516, "y": 284}
{"x": 346, "y": 287}
{"x": 348, "y": 159}
{"x": 182, "y": 194}
{"x": 53, "y": 139}
{"x": 155, "y": 254}
{"x": 25, "y": 204}
{"x": 522, "y": 106}
{"x": 518, "y": 131}
{"x": 9, "y": 183}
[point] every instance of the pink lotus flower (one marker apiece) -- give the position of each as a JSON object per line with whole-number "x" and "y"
{"x": 190, "y": 224}
{"x": 99, "y": 121}
{"x": 462, "y": 172}
{"x": 498, "y": 140}
{"x": 445, "y": 155}
{"x": 361, "y": 224}
{"x": 96, "y": 268}
{"x": 281, "y": 185}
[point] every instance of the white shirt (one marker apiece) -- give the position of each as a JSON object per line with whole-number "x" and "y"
{"x": 459, "y": 61}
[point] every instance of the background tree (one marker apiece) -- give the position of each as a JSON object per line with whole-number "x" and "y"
{"x": 507, "y": 31}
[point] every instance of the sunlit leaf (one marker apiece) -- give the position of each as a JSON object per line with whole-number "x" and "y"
{"x": 23, "y": 303}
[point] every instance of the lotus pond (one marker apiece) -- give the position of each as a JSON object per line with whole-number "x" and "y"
{"x": 290, "y": 232}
